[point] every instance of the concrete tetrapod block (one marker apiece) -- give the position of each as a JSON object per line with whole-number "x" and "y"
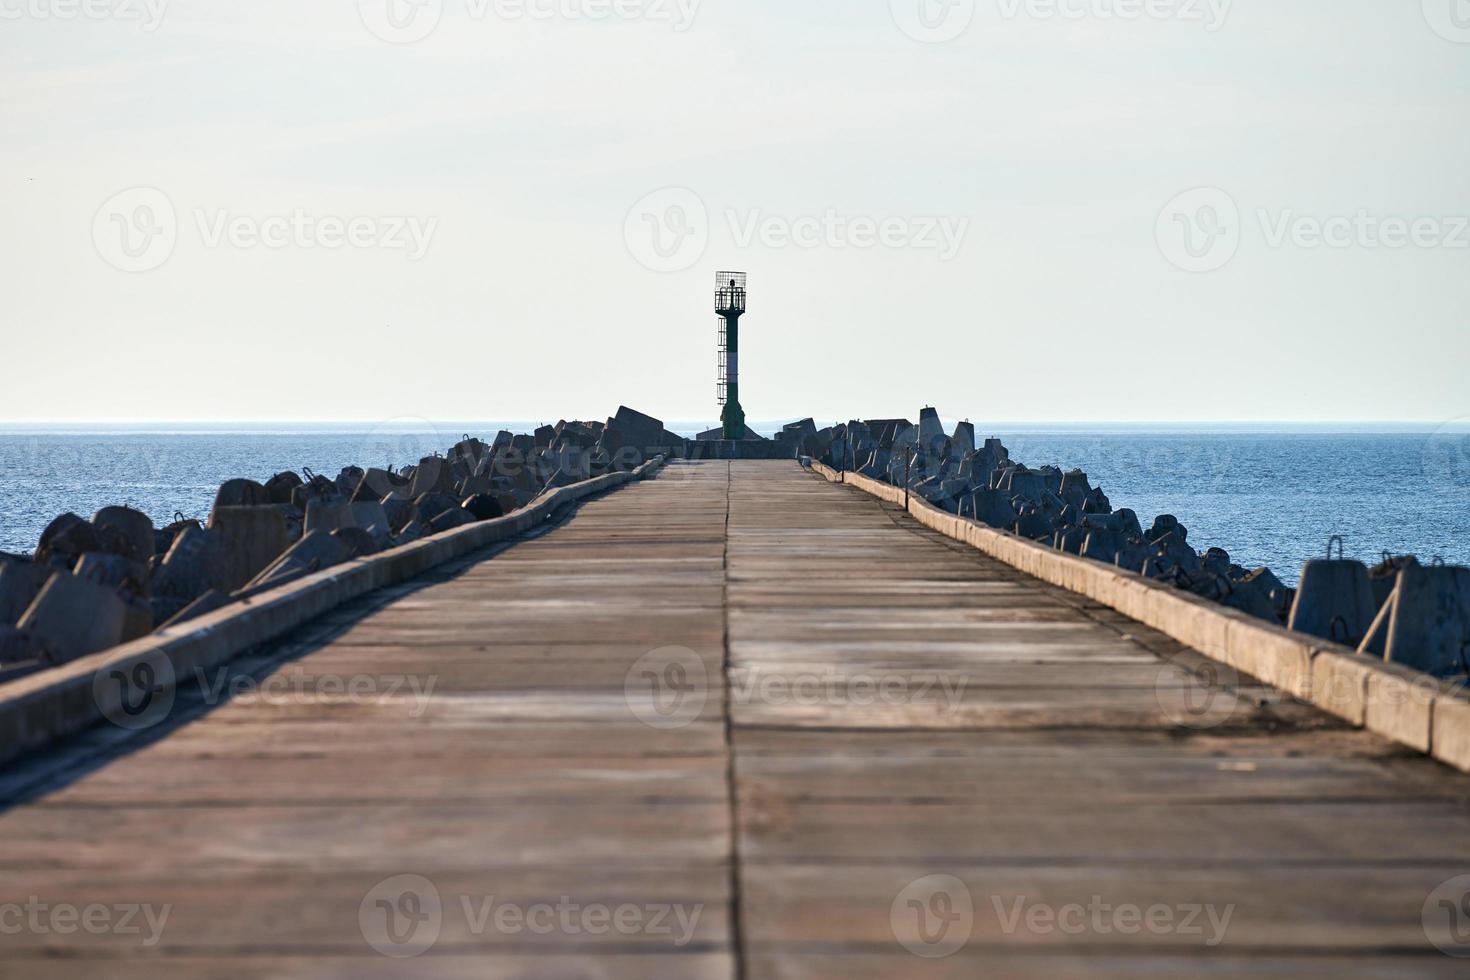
{"x": 643, "y": 432}
{"x": 1334, "y": 601}
{"x": 202, "y": 606}
{"x": 131, "y": 524}
{"x": 194, "y": 564}
{"x": 432, "y": 475}
{"x": 250, "y": 538}
{"x": 60, "y": 524}
{"x": 278, "y": 488}
{"x": 328, "y": 515}
{"x": 1384, "y": 576}
{"x": 371, "y": 516}
{"x": 21, "y": 647}
{"x": 115, "y": 572}
{"x": 67, "y": 538}
{"x": 20, "y": 583}
{"x": 963, "y": 440}
{"x": 240, "y": 493}
{"x": 76, "y": 617}
{"x": 1429, "y": 624}
{"x": 358, "y": 541}
{"x": 315, "y": 551}
{"x": 931, "y": 431}
{"x": 483, "y": 506}
{"x": 450, "y": 519}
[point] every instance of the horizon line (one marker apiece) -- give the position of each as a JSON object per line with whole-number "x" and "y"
{"x": 113, "y": 423}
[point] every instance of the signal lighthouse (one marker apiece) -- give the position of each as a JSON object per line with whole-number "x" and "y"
{"x": 730, "y": 305}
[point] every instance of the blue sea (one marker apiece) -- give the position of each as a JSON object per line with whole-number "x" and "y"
{"x": 1269, "y": 494}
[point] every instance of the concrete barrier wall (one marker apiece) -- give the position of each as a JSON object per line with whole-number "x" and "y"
{"x": 1407, "y": 706}
{"x": 41, "y": 707}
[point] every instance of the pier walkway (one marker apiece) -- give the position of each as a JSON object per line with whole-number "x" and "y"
{"x": 731, "y": 722}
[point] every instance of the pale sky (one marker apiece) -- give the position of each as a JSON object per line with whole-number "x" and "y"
{"x": 991, "y": 223}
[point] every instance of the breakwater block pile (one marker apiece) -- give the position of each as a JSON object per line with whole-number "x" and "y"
{"x": 92, "y": 584}
{"x": 1400, "y": 610}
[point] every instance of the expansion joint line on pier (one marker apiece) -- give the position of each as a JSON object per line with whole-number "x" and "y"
{"x": 737, "y": 928}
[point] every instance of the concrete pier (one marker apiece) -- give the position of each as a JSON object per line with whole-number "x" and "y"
{"x": 735, "y": 721}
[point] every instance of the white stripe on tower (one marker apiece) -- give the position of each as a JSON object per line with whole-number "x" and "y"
{"x": 732, "y": 371}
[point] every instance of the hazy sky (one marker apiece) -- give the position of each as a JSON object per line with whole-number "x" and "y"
{"x": 1013, "y": 209}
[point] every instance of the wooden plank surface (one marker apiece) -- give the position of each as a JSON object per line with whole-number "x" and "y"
{"x": 770, "y": 713}
{"x": 490, "y": 750}
{"x": 1082, "y": 764}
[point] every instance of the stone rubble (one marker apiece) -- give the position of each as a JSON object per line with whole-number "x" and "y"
{"x": 1398, "y": 611}
{"x": 92, "y": 584}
